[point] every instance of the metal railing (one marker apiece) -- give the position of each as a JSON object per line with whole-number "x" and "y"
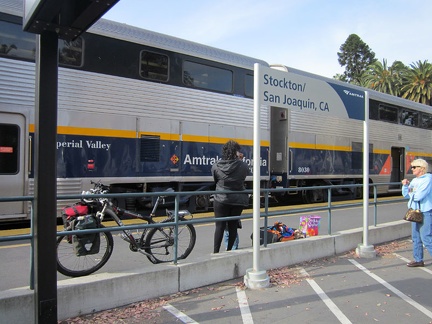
{"x": 264, "y": 214}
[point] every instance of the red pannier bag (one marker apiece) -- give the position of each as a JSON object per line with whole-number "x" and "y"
{"x": 70, "y": 212}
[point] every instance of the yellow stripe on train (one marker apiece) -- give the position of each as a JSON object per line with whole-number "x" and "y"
{"x": 103, "y": 132}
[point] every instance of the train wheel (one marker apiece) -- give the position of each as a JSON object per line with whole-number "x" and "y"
{"x": 202, "y": 202}
{"x": 314, "y": 196}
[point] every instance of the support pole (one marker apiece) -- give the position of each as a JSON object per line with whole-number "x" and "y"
{"x": 256, "y": 278}
{"x": 364, "y": 250}
{"x": 45, "y": 220}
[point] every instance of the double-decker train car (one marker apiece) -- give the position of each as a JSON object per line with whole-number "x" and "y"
{"x": 315, "y": 150}
{"x": 144, "y": 112}
{"x": 138, "y": 110}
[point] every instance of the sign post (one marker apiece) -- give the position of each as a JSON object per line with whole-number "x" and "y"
{"x": 256, "y": 278}
{"x": 51, "y": 19}
{"x": 282, "y": 89}
{"x": 365, "y": 250}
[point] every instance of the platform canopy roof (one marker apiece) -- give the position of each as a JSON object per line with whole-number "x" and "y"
{"x": 68, "y": 18}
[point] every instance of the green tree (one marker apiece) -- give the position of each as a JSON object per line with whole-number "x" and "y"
{"x": 355, "y": 55}
{"x": 340, "y": 77}
{"x": 380, "y": 77}
{"x": 417, "y": 83}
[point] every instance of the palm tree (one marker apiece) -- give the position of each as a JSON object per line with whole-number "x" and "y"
{"x": 417, "y": 83}
{"x": 382, "y": 78}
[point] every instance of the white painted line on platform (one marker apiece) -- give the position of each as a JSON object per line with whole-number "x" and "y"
{"x": 393, "y": 289}
{"x": 330, "y": 304}
{"x": 408, "y": 260}
{"x": 244, "y": 306}
{"x": 179, "y": 315}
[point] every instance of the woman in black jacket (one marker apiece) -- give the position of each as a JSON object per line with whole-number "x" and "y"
{"x": 229, "y": 174}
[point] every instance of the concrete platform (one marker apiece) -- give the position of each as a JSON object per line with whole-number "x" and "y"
{"x": 98, "y": 292}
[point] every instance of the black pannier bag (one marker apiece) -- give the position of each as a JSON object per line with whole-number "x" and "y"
{"x": 88, "y": 243}
{"x": 271, "y": 236}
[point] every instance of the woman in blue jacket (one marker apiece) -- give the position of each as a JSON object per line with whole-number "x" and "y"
{"x": 419, "y": 192}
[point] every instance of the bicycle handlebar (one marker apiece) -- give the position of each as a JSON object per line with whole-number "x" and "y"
{"x": 100, "y": 188}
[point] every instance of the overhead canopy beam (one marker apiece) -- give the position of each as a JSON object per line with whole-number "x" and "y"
{"x": 67, "y": 18}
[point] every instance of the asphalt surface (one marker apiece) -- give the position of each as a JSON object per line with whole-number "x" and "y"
{"x": 340, "y": 289}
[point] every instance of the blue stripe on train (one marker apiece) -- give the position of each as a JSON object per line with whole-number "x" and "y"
{"x": 329, "y": 162}
{"x": 91, "y": 156}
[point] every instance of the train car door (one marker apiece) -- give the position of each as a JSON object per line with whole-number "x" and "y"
{"x": 12, "y": 164}
{"x": 398, "y": 166}
{"x": 279, "y": 142}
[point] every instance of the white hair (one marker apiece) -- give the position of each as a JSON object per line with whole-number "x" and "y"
{"x": 422, "y": 163}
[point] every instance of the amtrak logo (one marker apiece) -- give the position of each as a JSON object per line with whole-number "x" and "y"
{"x": 174, "y": 159}
{"x": 353, "y": 94}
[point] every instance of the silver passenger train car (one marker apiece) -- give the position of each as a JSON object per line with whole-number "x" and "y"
{"x": 315, "y": 150}
{"x": 144, "y": 112}
{"x": 139, "y": 110}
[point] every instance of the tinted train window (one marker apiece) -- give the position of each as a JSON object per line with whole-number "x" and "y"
{"x": 150, "y": 148}
{"x": 154, "y": 66}
{"x": 426, "y": 121}
{"x": 207, "y": 77}
{"x": 71, "y": 52}
{"x": 16, "y": 43}
{"x": 249, "y": 86}
{"x": 373, "y": 110}
{"x": 389, "y": 114}
{"x": 409, "y": 117}
{"x": 9, "y": 140}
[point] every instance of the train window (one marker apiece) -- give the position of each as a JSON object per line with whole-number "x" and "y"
{"x": 9, "y": 140}
{"x": 426, "y": 121}
{"x": 150, "y": 148}
{"x": 409, "y": 117}
{"x": 249, "y": 85}
{"x": 16, "y": 43}
{"x": 154, "y": 66}
{"x": 388, "y": 114}
{"x": 373, "y": 110}
{"x": 207, "y": 77}
{"x": 71, "y": 52}
{"x": 21, "y": 45}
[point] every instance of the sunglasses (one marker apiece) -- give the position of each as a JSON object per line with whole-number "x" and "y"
{"x": 415, "y": 166}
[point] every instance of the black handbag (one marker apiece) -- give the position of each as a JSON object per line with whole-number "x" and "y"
{"x": 414, "y": 215}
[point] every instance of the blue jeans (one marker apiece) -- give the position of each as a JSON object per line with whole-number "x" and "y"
{"x": 422, "y": 234}
{"x": 236, "y": 242}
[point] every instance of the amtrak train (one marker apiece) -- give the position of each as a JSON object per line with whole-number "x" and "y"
{"x": 144, "y": 112}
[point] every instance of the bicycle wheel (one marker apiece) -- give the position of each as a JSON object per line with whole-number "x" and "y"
{"x": 160, "y": 242}
{"x": 82, "y": 261}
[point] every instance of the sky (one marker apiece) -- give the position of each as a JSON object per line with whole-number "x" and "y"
{"x": 303, "y": 34}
